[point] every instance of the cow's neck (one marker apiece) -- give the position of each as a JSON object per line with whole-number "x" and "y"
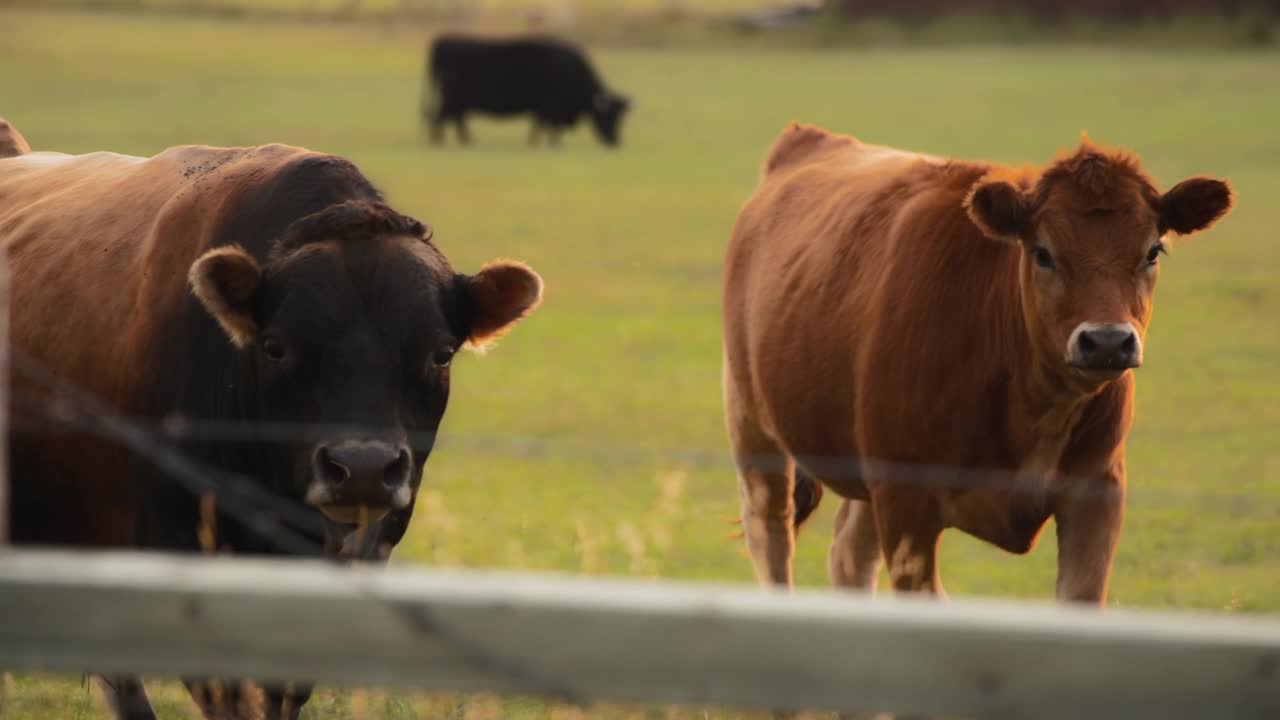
{"x": 1046, "y": 403}
{"x": 1044, "y": 413}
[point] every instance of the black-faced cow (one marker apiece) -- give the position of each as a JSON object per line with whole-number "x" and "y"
{"x": 543, "y": 77}
{"x": 265, "y": 287}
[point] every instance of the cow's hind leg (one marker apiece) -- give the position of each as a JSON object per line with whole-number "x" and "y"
{"x": 464, "y": 135}
{"x": 855, "y": 557}
{"x": 765, "y": 484}
{"x": 126, "y": 697}
{"x": 768, "y": 511}
{"x": 436, "y": 128}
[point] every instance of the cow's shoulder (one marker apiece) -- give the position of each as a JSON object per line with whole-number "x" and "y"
{"x": 275, "y": 186}
{"x": 248, "y": 196}
{"x": 803, "y": 143}
{"x": 194, "y": 163}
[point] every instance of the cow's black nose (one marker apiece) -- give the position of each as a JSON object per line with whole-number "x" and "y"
{"x": 1107, "y": 346}
{"x": 365, "y": 473}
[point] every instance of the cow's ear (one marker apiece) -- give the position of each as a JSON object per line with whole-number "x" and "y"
{"x": 1194, "y": 205}
{"x": 224, "y": 280}
{"x": 501, "y": 294}
{"x": 1000, "y": 209}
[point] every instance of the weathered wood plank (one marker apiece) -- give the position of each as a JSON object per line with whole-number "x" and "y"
{"x": 588, "y": 639}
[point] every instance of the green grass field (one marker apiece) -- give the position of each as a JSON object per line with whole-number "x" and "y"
{"x": 568, "y": 447}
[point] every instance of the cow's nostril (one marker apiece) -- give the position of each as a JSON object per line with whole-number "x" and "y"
{"x": 1130, "y": 343}
{"x": 1087, "y": 345}
{"x": 398, "y": 471}
{"x": 333, "y": 471}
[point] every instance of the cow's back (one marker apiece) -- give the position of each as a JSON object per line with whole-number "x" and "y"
{"x": 837, "y": 252}
{"x": 99, "y": 246}
{"x": 502, "y": 76}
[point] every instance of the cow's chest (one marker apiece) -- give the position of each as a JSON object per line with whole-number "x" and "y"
{"x": 1006, "y": 500}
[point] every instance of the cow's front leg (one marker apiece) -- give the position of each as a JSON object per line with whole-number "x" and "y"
{"x": 855, "y": 557}
{"x": 126, "y": 697}
{"x": 1088, "y": 513}
{"x": 219, "y": 700}
{"x": 909, "y": 526}
{"x": 285, "y": 702}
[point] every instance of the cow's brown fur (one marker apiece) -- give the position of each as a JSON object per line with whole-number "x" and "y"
{"x": 12, "y": 143}
{"x": 888, "y": 334}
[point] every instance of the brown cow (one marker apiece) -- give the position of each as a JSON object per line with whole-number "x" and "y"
{"x": 943, "y": 344}
{"x": 267, "y": 299}
{"x": 11, "y": 141}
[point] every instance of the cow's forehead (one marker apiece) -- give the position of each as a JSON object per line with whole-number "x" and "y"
{"x": 1096, "y": 240}
{"x": 401, "y": 284}
{"x": 1071, "y": 218}
{"x": 366, "y": 261}
{"x": 1095, "y": 194}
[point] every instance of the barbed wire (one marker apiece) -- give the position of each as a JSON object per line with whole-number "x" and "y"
{"x": 70, "y": 405}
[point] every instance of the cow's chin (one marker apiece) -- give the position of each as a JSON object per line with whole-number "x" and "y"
{"x": 353, "y": 514}
{"x": 350, "y": 531}
{"x": 1098, "y": 376}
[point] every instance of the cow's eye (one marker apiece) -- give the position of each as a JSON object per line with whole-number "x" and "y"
{"x": 274, "y": 350}
{"x": 1154, "y": 253}
{"x": 442, "y": 358}
{"x": 1041, "y": 257}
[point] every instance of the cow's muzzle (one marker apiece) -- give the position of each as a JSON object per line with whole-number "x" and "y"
{"x": 1104, "y": 347}
{"x": 360, "y": 481}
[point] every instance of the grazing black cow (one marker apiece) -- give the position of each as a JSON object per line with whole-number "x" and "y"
{"x": 542, "y": 76}
{"x": 239, "y": 292}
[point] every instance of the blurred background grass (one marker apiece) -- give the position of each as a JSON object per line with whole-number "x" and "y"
{"x": 591, "y": 439}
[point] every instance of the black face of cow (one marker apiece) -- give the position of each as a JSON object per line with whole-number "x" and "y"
{"x": 351, "y": 342}
{"x": 607, "y": 111}
{"x": 347, "y": 346}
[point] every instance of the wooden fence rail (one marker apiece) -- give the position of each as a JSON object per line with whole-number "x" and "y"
{"x": 589, "y": 639}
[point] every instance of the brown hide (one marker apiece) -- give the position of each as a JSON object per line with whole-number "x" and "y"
{"x": 11, "y": 141}
{"x": 878, "y": 341}
{"x": 99, "y": 246}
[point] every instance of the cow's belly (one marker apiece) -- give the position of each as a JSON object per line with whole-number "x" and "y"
{"x": 848, "y": 485}
{"x": 819, "y": 436}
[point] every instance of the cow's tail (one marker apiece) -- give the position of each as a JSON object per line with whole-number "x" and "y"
{"x": 807, "y": 494}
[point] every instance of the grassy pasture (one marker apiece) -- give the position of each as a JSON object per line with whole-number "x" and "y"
{"x": 574, "y": 445}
